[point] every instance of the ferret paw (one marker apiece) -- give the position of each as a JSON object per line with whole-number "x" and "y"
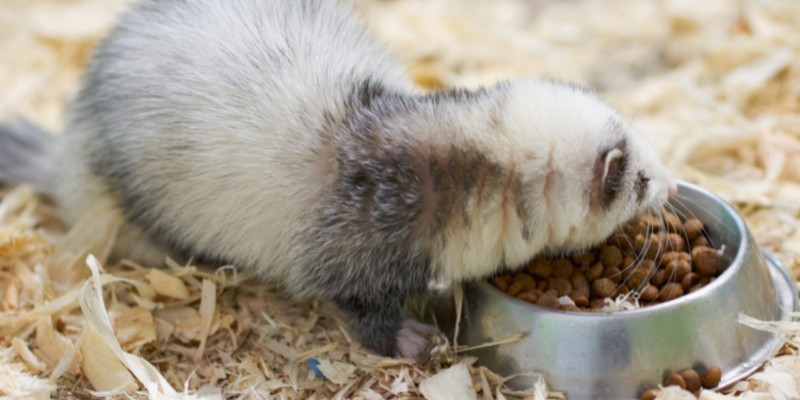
{"x": 413, "y": 338}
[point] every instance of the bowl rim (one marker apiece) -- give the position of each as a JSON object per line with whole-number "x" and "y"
{"x": 728, "y": 274}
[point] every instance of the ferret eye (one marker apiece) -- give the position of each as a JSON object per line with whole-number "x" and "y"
{"x": 641, "y": 185}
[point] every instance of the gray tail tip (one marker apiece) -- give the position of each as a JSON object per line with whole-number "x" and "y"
{"x": 26, "y": 156}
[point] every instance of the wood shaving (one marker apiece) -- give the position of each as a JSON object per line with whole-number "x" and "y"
{"x": 714, "y": 84}
{"x": 453, "y": 383}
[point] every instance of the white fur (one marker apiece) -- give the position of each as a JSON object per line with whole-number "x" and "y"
{"x": 550, "y": 130}
{"x": 257, "y": 136}
{"x": 255, "y": 122}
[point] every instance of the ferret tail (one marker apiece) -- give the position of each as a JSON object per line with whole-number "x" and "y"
{"x": 27, "y": 156}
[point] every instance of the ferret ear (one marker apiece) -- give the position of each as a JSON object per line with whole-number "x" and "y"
{"x": 609, "y": 171}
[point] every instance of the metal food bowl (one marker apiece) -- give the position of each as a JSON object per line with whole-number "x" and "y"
{"x": 619, "y": 355}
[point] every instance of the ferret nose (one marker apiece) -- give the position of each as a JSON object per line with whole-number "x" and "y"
{"x": 673, "y": 189}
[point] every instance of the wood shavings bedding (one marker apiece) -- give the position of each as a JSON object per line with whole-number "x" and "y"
{"x": 714, "y": 84}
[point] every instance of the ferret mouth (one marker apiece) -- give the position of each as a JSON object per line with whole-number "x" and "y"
{"x": 672, "y": 191}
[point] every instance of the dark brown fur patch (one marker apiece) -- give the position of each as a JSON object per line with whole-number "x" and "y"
{"x": 393, "y": 193}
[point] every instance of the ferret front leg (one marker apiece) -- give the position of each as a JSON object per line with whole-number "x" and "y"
{"x": 376, "y": 322}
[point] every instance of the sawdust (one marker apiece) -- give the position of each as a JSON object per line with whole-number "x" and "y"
{"x": 715, "y": 85}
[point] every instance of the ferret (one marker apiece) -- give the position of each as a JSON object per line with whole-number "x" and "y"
{"x": 279, "y": 136}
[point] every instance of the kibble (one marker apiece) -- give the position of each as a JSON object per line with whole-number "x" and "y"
{"x": 670, "y": 291}
{"x": 674, "y": 242}
{"x": 531, "y": 296}
{"x": 612, "y": 273}
{"x": 712, "y": 377}
{"x": 603, "y": 287}
{"x": 583, "y": 260}
{"x": 595, "y": 271}
{"x": 673, "y": 222}
{"x": 705, "y": 260}
{"x": 560, "y": 285}
{"x": 691, "y": 378}
{"x": 562, "y": 268}
{"x": 651, "y": 259}
{"x": 689, "y": 281}
{"x": 611, "y": 256}
{"x": 569, "y": 307}
{"x": 548, "y": 299}
{"x": 693, "y": 228}
{"x": 540, "y": 268}
{"x": 649, "y": 394}
{"x": 675, "y": 379}
{"x": 650, "y": 293}
{"x": 700, "y": 242}
{"x": 687, "y": 379}
{"x": 502, "y": 282}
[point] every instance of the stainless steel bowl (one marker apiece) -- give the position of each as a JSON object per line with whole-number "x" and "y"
{"x": 618, "y": 355}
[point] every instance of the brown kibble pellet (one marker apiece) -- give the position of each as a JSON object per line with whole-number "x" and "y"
{"x": 633, "y": 228}
{"x": 611, "y": 256}
{"x": 540, "y": 268}
{"x": 677, "y": 269}
{"x": 542, "y": 285}
{"x": 584, "y": 260}
{"x": 649, "y": 293}
{"x": 521, "y": 282}
{"x": 670, "y": 291}
{"x": 674, "y": 256}
{"x": 674, "y": 242}
{"x": 597, "y": 304}
{"x": 562, "y": 268}
{"x": 620, "y": 240}
{"x": 636, "y": 278}
{"x": 659, "y": 278}
{"x": 701, "y": 241}
{"x": 502, "y": 282}
{"x": 580, "y": 285}
{"x": 524, "y": 278}
{"x": 630, "y": 261}
{"x": 705, "y": 260}
{"x": 648, "y": 266}
{"x": 569, "y": 307}
{"x": 712, "y": 377}
{"x": 612, "y": 273}
{"x": 529, "y": 295}
{"x": 654, "y": 247}
{"x": 652, "y": 221}
{"x": 580, "y": 299}
{"x": 675, "y": 380}
{"x": 649, "y": 245}
{"x": 693, "y": 228}
{"x": 649, "y": 394}
{"x": 688, "y": 281}
{"x": 673, "y": 222}
{"x": 691, "y": 378}
{"x": 517, "y": 288}
{"x": 603, "y": 287}
{"x": 639, "y": 241}
{"x": 595, "y": 271}
{"x": 547, "y": 299}
{"x": 560, "y": 285}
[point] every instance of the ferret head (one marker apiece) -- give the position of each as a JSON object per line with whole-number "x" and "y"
{"x": 598, "y": 173}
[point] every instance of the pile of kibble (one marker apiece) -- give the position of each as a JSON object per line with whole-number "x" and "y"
{"x": 654, "y": 259}
{"x": 688, "y": 379}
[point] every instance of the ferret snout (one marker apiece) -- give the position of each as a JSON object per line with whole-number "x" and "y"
{"x": 673, "y": 189}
